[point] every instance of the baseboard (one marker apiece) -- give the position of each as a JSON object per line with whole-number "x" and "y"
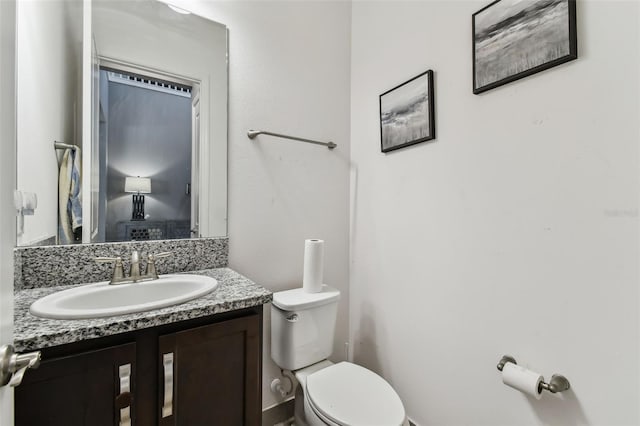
{"x": 282, "y": 414}
{"x": 279, "y": 414}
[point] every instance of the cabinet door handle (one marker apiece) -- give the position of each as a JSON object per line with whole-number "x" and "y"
{"x": 167, "y": 362}
{"x": 123, "y": 401}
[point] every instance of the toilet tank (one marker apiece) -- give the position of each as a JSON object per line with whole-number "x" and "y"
{"x": 302, "y": 326}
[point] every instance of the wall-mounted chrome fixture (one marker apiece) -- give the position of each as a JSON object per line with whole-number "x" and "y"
{"x": 253, "y": 133}
{"x": 62, "y": 145}
{"x": 558, "y": 383}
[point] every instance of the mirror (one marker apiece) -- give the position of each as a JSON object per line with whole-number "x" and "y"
{"x": 137, "y": 103}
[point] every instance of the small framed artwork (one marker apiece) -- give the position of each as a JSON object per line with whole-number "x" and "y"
{"x": 406, "y": 113}
{"x": 513, "y": 39}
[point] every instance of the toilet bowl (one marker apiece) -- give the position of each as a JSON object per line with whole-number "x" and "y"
{"x": 328, "y": 394}
{"x": 346, "y": 394}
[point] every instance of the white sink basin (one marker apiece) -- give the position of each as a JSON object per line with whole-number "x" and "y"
{"x": 104, "y": 300}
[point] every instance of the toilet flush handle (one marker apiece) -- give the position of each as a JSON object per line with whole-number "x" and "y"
{"x": 292, "y": 317}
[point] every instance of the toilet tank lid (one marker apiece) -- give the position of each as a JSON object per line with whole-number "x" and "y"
{"x": 298, "y": 299}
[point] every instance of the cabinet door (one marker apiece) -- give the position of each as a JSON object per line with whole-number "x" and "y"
{"x": 83, "y": 389}
{"x": 211, "y": 375}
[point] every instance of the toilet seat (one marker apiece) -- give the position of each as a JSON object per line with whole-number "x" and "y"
{"x": 350, "y": 395}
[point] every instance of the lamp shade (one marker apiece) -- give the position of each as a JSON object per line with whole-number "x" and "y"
{"x": 137, "y": 184}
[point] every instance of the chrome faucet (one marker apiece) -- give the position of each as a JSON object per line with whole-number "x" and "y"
{"x": 119, "y": 277}
{"x": 134, "y": 271}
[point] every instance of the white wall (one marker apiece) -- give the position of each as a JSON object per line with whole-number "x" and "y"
{"x": 515, "y": 232}
{"x": 289, "y": 73}
{"x": 47, "y": 83}
{"x": 7, "y": 185}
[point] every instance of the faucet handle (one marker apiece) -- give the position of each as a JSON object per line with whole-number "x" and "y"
{"x": 107, "y": 259}
{"x": 151, "y": 264}
{"x": 157, "y": 256}
{"x": 118, "y": 270}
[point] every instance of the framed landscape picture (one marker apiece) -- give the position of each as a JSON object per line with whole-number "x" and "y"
{"x": 513, "y": 39}
{"x": 406, "y": 113}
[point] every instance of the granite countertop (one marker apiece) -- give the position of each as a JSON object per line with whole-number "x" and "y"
{"x": 30, "y": 332}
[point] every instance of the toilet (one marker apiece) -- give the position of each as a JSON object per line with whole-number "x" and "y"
{"x": 342, "y": 394}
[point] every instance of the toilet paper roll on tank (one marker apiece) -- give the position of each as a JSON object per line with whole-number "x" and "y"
{"x": 313, "y": 265}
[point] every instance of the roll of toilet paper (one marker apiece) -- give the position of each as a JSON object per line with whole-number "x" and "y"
{"x": 522, "y": 379}
{"x": 313, "y": 266}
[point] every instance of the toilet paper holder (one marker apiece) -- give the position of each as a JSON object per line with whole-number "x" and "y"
{"x": 558, "y": 382}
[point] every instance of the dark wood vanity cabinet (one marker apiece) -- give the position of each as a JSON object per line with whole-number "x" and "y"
{"x": 197, "y": 372}
{"x": 75, "y": 390}
{"x": 213, "y": 366}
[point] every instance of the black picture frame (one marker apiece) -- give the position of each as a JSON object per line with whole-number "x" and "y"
{"x": 407, "y": 113}
{"x": 512, "y": 41}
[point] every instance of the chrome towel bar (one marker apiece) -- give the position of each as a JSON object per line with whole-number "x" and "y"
{"x": 62, "y": 145}
{"x": 251, "y": 134}
{"x": 558, "y": 383}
